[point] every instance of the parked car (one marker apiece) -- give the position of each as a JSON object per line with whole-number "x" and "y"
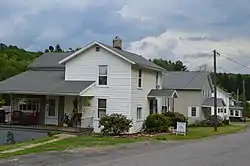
{"x": 27, "y": 118}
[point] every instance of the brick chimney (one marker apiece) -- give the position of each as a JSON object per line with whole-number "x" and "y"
{"x": 117, "y": 43}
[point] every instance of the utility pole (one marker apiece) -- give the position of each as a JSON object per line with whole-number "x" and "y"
{"x": 215, "y": 92}
{"x": 237, "y": 97}
{"x": 244, "y": 100}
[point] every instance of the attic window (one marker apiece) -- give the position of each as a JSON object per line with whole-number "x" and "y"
{"x": 97, "y": 48}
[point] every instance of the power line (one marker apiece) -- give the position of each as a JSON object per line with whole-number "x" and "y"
{"x": 232, "y": 60}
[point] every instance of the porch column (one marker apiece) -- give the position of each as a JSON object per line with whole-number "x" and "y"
{"x": 61, "y": 110}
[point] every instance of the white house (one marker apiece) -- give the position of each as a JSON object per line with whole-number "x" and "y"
{"x": 233, "y": 109}
{"x": 95, "y": 80}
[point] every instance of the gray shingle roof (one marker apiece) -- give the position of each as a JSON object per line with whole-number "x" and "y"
{"x": 139, "y": 60}
{"x": 162, "y": 93}
{"x": 50, "y": 60}
{"x": 210, "y": 102}
{"x": 185, "y": 80}
{"x": 42, "y": 82}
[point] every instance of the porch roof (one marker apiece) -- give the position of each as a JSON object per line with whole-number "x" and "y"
{"x": 234, "y": 107}
{"x": 209, "y": 102}
{"x": 42, "y": 83}
{"x": 163, "y": 93}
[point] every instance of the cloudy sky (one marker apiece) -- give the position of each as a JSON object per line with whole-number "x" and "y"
{"x": 186, "y": 30}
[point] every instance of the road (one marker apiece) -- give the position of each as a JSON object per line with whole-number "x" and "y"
{"x": 20, "y": 135}
{"x": 229, "y": 150}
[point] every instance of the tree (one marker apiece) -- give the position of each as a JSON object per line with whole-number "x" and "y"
{"x": 58, "y": 48}
{"x": 205, "y": 68}
{"x": 170, "y": 66}
{"x": 51, "y": 48}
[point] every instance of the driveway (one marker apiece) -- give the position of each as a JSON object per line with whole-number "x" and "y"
{"x": 229, "y": 150}
{"x": 21, "y": 135}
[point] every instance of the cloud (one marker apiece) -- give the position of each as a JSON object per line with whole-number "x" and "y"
{"x": 171, "y": 29}
{"x": 193, "y": 48}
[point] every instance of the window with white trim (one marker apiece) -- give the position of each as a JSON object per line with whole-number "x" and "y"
{"x": 157, "y": 80}
{"x": 102, "y": 107}
{"x": 140, "y": 78}
{"x": 236, "y": 113}
{"x": 29, "y": 105}
{"x": 103, "y": 75}
{"x": 193, "y": 112}
{"x": 139, "y": 113}
{"x": 231, "y": 112}
{"x": 225, "y": 110}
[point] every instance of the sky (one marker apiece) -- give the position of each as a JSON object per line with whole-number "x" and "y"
{"x": 186, "y": 30}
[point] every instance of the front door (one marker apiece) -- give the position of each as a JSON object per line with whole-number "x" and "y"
{"x": 52, "y": 111}
{"x": 153, "y": 106}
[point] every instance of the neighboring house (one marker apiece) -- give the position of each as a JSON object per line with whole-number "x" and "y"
{"x": 233, "y": 108}
{"x": 193, "y": 88}
{"x": 223, "y": 112}
{"x": 96, "y": 80}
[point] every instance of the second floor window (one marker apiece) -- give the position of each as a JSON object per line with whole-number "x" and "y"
{"x": 140, "y": 78}
{"x": 103, "y": 75}
{"x": 157, "y": 80}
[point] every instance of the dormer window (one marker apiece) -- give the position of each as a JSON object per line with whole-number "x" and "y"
{"x": 97, "y": 48}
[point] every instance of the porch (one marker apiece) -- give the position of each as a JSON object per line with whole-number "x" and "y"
{"x": 42, "y": 112}
{"x": 43, "y": 98}
{"x": 161, "y": 101}
{"x": 208, "y": 108}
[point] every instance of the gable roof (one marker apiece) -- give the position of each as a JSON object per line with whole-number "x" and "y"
{"x": 163, "y": 93}
{"x": 185, "y": 80}
{"x": 127, "y": 56}
{"x": 50, "y": 60}
{"x": 43, "y": 82}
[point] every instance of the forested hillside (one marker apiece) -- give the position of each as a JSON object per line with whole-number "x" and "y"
{"x": 14, "y": 60}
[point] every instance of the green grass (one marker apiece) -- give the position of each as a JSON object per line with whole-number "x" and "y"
{"x": 201, "y": 132}
{"x": 75, "y": 142}
{"x": 20, "y": 144}
{"x": 102, "y": 141}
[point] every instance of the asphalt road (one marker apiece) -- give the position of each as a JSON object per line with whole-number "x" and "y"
{"x": 20, "y": 135}
{"x": 229, "y": 150}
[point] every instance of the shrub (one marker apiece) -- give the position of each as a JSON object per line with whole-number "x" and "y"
{"x": 226, "y": 121}
{"x": 52, "y": 133}
{"x": 156, "y": 123}
{"x": 175, "y": 117}
{"x": 210, "y": 121}
{"x": 115, "y": 124}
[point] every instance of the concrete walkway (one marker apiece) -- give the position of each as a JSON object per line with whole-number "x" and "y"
{"x": 59, "y": 137}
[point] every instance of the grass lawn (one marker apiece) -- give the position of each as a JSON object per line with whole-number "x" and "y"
{"x": 201, "y": 132}
{"x": 20, "y": 144}
{"x": 98, "y": 140}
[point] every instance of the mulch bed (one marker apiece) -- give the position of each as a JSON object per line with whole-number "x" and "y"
{"x": 137, "y": 135}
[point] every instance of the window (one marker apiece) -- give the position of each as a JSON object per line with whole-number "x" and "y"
{"x": 193, "y": 111}
{"x": 28, "y": 105}
{"x": 102, "y": 107}
{"x": 97, "y": 48}
{"x": 103, "y": 75}
{"x": 157, "y": 80}
{"x": 140, "y": 78}
{"x": 139, "y": 112}
{"x": 225, "y": 110}
{"x": 203, "y": 93}
{"x": 236, "y": 113}
{"x": 52, "y": 107}
{"x": 231, "y": 112}
{"x": 164, "y": 108}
